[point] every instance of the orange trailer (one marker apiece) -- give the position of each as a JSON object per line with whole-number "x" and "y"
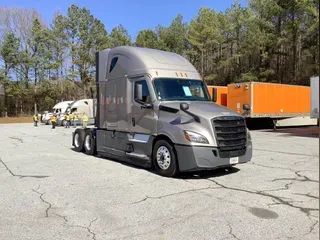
{"x": 222, "y": 92}
{"x": 269, "y": 100}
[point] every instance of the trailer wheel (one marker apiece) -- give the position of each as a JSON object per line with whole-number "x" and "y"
{"x": 89, "y": 142}
{"x": 164, "y": 159}
{"x": 78, "y": 140}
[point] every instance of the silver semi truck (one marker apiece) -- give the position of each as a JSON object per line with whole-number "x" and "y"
{"x": 153, "y": 110}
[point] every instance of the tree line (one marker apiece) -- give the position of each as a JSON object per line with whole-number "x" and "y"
{"x": 42, "y": 64}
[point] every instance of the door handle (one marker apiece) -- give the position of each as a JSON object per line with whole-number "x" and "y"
{"x": 133, "y": 121}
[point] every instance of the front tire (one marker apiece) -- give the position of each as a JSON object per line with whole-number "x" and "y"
{"x": 89, "y": 143}
{"x": 164, "y": 159}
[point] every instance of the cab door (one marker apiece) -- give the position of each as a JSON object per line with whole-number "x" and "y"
{"x": 143, "y": 116}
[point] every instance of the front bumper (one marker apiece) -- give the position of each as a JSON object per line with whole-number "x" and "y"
{"x": 193, "y": 158}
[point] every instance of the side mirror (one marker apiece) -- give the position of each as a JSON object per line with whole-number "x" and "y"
{"x": 139, "y": 92}
{"x": 246, "y": 107}
{"x": 184, "y": 106}
{"x": 214, "y": 94}
{"x": 147, "y": 106}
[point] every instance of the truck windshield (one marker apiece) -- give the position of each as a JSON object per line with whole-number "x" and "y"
{"x": 172, "y": 89}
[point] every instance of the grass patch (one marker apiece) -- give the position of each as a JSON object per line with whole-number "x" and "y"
{"x": 24, "y": 119}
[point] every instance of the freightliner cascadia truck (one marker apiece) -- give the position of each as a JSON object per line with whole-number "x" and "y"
{"x": 155, "y": 111}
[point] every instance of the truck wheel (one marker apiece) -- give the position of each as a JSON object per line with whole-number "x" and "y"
{"x": 63, "y": 123}
{"x": 78, "y": 140}
{"x": 89, "y": 142}
{"x": 164, "y": 159}
{"x": 49, "y": 122}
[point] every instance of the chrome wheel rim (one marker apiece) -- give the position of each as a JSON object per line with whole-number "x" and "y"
{"x": 77, "y": 140}
{"x": 163, "y": 157}
{"x": 88, "y": 142}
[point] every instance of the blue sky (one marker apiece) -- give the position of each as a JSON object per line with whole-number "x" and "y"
{"x": 134, "y": 15}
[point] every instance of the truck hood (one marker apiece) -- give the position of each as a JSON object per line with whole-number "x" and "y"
{"x": 206, "y": 110}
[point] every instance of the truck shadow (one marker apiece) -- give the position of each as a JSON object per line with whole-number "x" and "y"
{"x": 214, "y": 173}
{"x": 310, "y": 132}
{"x": 219, "y": 172}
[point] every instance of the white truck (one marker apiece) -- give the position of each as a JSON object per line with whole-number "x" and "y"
{"x": 80, "y": 106}
{"x": 149, "y": 114}
{"x": 57, "y": 109}
{"x": 314, "y": 97}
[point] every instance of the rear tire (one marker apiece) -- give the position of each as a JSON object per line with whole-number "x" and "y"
{"x": 89, "y": 142}
{"x": 164, "y": 159}
{"x": 78, "y": 140}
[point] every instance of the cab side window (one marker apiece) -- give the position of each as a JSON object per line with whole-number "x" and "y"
{"x": 141, "y": 92}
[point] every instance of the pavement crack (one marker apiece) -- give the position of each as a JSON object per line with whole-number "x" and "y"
{"x": 16, "y": 138}
{"x": 18, "y": 175}
{"x": 88, "y": 228}
{"x": 43, "y": 200}
{"x": 261, "y": 165}
{"x": 286, "y": 187}
{"x": 294, "y": 179}
{"x": 277, "y": 199}
{"x": 313, "y": 226}
{"x": 305, "y": 178}
{"x": 290, "y": 153}
{"x": 301, "y": 178}
{"x": 172, "y": 194}
{"x": 307, "y": 195}
{"x": 90, "y": 231}
{"x": 63, "y": 217}
{"x": 231, "y": 232}
{"x": 8, "y": 169}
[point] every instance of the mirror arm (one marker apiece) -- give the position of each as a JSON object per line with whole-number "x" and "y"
{"x": 196, "y": 118}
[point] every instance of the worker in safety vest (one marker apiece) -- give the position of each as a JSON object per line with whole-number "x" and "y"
{"x": 35, "y": 120}
{"x": 84, "y": 120}
{"x": 67, "y": 118}
{"x": 53, "y": 119}
{"x": 75, "y": 119}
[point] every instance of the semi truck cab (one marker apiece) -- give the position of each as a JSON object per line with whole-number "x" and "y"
{"x": 154, "y": 110}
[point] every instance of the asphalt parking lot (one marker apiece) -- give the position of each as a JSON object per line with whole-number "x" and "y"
{"x": 48, "y": 191}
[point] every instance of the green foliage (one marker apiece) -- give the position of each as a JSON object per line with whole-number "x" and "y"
{"x": 173, "y": 38}
{"x": 86, "y": 35}
{"x": 269, "y": 41}
{"x": 120, "y": 36}
{"x": 148, "y": 39}
{"x": 247, "y": 77}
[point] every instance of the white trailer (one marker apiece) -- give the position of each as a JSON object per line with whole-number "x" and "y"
{"x": 81, "y": 106}
{"x": 60, "y": 107}
{"x": 314, "y": 97}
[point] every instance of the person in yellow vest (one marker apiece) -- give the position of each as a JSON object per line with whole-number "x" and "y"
{"x": 75, "y": 119}
{"x": 53, "y": 119}
{"x": 67, "y": 118}
{"x": 84, "y": 120}
{"x": 35, "y": 120}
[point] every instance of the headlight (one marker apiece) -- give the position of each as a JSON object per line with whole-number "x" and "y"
{"x": 195, "y": 137}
